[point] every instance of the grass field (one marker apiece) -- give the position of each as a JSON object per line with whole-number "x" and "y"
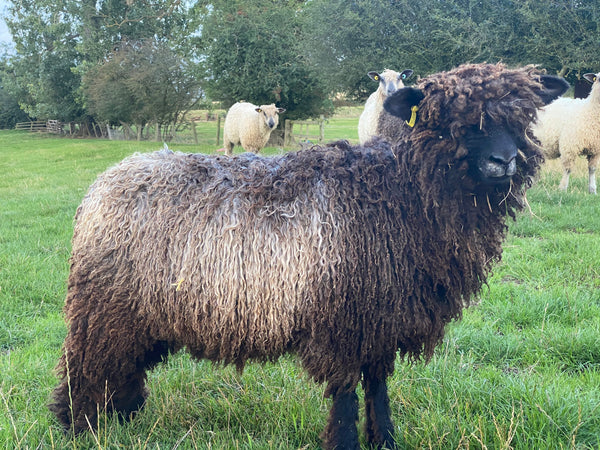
{"x": 521, "y": 370}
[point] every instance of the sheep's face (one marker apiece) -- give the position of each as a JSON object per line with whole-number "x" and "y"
{"x": 492, "y": 154}
{"x": 390, "y": 80}
{"x": 481, "y": 138}
{"x": 270, "y": 115}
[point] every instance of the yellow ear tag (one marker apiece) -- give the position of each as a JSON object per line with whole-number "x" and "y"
{"x": 413, "y": 116}
{"x": 376, "y": 78}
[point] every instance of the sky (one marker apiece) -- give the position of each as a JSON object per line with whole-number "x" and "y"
{"x": 4, "y": 33}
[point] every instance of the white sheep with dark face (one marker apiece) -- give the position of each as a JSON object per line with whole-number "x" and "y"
{"x": 250, "y": 126}
{"x": 389, "y": 82}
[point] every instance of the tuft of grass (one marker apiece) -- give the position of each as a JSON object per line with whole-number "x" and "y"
{"x": 520, "y": 371}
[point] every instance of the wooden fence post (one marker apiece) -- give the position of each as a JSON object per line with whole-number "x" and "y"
{"x": 287, "y": 133}
{"x": 194, "y": 132}
{"x": 322, "y": 129}
{"x": 218, "y": 128}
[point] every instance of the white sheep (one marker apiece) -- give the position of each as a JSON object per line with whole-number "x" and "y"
{"x": 389, "y": 82}
{"x": 250, "y": 126}
{"x": 568, "y": 128}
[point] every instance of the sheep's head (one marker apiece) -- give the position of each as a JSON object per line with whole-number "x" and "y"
{"x": 592, "y": 77}
{"x": 390, "y": 80}
{"x": 475, "y": 120}
{"x": 270, "y": 114}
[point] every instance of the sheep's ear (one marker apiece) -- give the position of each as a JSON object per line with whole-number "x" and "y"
{"x": 553, "y": 87}
{"x": 280, "y": 110}
{"x": 400, "y": 103}
{"x": 406, "y": 74}
{"x": 258, "y": 110}
{"x": 374, "y": 76}
{"x": 591, "y": 77}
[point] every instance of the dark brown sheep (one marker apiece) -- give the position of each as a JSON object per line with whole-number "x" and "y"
{"x": 342, "y": 255}
{"x": 391, "y": 128}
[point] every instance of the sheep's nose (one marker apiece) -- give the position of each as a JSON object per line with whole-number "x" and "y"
{"x": 506, "y": 163}
{"x": 271, "y": 123}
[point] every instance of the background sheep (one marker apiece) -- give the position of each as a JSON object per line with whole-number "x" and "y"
{"x": 568, "y": 128}
{"x": 389, "y": 82}
{"x": 343, "y": 255}
{"x": 250, "y": 126}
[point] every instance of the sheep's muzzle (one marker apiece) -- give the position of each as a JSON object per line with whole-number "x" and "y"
{"x": 496, "y": 154}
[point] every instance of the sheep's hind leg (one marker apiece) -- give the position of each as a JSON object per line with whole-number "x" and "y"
{"x": 128, "y": 398}
{"x": 340, "y": 432}
{"x": 96, "y": 378}
{"x": 379, "y": 429}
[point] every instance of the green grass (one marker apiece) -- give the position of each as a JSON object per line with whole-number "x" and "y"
{"x": 521, "y": 370}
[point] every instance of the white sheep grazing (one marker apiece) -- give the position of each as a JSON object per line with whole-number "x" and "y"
{"x": 250, "y": 126}
{"x": 568, "y": 128}
{"x": 389, "y": 82}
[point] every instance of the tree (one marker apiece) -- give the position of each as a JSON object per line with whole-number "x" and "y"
{"x": 58, "y": 41}
{"x": 562, "y": 35}
{"x": 46, "y": 54}
{"x": 253, "y": 53}
{"x": 105, "y": 24}
{"x": 10, "y": 110}
{"x": 426, "y": 36}
{"x": 142, "y": 82}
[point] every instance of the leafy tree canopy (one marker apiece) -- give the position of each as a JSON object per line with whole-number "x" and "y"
{"x": 253, "y": 53}
{"x": 295, "y": 53}
{"x": 10, "y": 110}
{"x": 142, "y": 82}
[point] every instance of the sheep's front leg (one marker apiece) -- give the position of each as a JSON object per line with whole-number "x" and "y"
{"x": 592, "y": 165}
{"x": 564, "y": 182}
{"x": 229, "y": 148}
{"x": 379, "y": 429}
{"x": 340, "y": 432}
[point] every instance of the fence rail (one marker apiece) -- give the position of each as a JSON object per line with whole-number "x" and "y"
{"x": 304, "y": 132}
{"x": 36, "y": 125}
{"x": 48, "y": 126}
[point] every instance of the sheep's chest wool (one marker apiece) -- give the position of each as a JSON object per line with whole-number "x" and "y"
{"x": 346, "y": 256}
